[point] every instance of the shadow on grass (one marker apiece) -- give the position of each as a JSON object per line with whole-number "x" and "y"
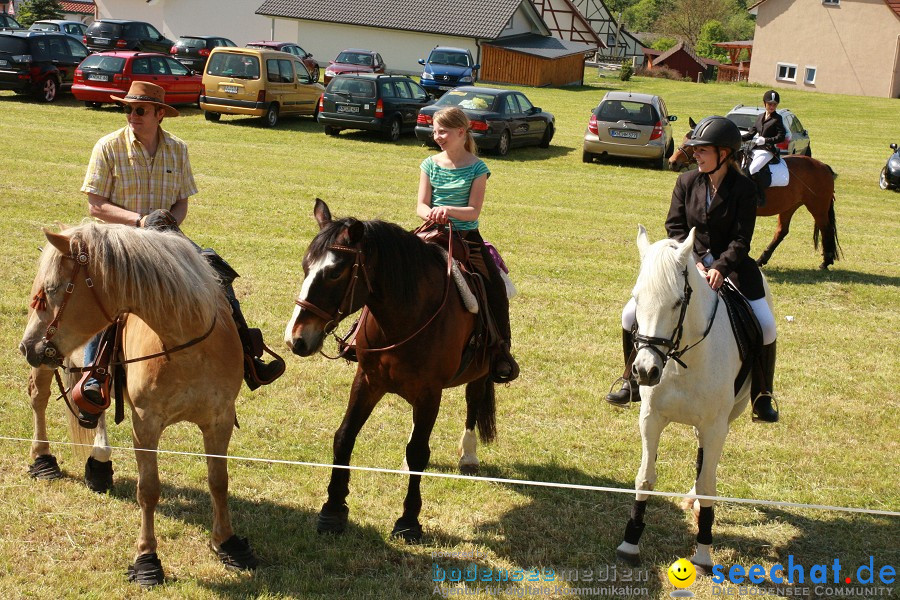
{"x": 835, "y": 275}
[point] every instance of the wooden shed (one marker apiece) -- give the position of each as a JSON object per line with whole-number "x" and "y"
{"x": 534, "y": 60}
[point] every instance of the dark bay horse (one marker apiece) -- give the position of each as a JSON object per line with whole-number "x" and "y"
{"x": 92, "y": 273}
{"x": 811, "y": 185}
{"x": 411, "y": 343}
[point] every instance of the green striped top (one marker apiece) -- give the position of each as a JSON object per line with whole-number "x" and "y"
{"x": 451, "y": 187}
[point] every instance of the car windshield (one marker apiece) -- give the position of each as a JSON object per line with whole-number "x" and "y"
{"x": 449, "y": 58}
{"x": 742, "y": 120}
{"x": 105, "y": 29}
{"x": 355, "y": 58}
{"x": 44, "y": 27}
{"x": 353, "y": 86}
{"x": 638, "y": 113}
{"x": 471, "y": 100}
{"x": 99, "y": 62}
{"x": 188, "y": 42}
{"x": 239, "y": 66}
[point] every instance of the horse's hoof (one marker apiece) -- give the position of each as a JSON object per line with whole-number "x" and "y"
{"x": 409, "y": 533}
{"x": 468, "y": 469}
{"x": 98, "y": 475}
{"x": 332, "y": 521}
{"x": 146, "y": 571}
{"x": 45, "y": 467}
{"x": 702, "y": 570}
{"x": 632, "y": 560}
{"x": 235, "y": 553}
{"x": 824, "y": 266}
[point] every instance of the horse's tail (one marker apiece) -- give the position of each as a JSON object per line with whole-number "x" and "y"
{"x": 486, "y": 414}
{"x": 831, "y": 246}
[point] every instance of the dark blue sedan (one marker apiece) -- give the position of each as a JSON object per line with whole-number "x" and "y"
{"x": 501, "y": 119}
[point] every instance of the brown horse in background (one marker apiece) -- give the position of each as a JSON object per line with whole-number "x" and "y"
{"x": 811, "y": 185}
{"x": 176, "y": 311}
{"x": 413, "y": 342}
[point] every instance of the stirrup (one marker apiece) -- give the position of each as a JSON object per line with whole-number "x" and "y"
{"x": 775, "y": 407}
{"x": 631, "y": 392}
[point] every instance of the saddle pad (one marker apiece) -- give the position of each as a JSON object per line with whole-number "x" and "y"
{"x": 780, "y": 174}
{"x": 744, "y": 325}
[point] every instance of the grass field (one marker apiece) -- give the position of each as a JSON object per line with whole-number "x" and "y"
{"x": 567, "y": 230}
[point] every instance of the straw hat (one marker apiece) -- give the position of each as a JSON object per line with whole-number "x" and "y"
{"x": 144, "y": 91}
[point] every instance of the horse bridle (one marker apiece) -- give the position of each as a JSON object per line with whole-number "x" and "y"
{"x": 332, "y": 320}
{"x": 673, "y": 342}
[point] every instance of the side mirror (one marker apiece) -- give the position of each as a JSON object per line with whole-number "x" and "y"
{"x": 421, "y": 61}
{"x": 534, "y": 110}
{"x": 894, "y": 147}
{"x": 672, "y": 118}
{"x": 476, "y": 67}
{"x": 309, "y": 55}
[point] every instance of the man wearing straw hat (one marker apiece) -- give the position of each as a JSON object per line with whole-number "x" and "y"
{"x": 141, "y": 175}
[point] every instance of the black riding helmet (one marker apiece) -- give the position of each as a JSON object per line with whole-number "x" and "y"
{"x": 716, "y": 131}
{"x": 772, "y": 96}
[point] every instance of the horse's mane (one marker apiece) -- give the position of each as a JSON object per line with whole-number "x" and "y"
{"x": 660, "y": 275}
{"x": 401, "y": 257}
{"x": 161, "y": 274}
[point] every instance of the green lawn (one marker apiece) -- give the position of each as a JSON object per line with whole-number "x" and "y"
{"x": 567, "y": 230}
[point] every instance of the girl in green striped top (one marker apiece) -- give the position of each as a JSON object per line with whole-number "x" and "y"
{"x": 451, "y": 190}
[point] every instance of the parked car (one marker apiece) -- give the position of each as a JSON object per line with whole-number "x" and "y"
{"x": 632, "y": 126}
{"x": 107, "y": 74}
{"x": 446, "y": 68}
{"x": 7, "y": 22}
{"x": 501, "y": 119}
{"x": 354, "y": 60}
{"x": 890, "y": 174}
{"x": 388, "y": 104}
{"x": 75, "y": 29}
{"x": 259, "y": 82}
{"x": 311, "y": 64}
{"x": 193, "y": 50}
{"x": 797, "y": 139}
{"x": 116, "y": 34}
{"x": 39, "y": 63}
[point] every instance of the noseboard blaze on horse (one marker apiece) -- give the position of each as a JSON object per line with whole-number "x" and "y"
{"x": 88, "y": 276}
{"x": 811, "y": 184}
{"x": 410, "y": 341}
{"x": 678, "y": 317}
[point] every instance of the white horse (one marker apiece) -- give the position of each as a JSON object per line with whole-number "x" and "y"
{"x": 679, "y": 317}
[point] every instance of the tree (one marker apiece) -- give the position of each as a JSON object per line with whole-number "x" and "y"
{"x": 686, "y": 18}
{"x": 664, "y": 43}
{"x": 641, "y": 15}
{"x": 712, "y": 32}
{"x": 36, "y": 10}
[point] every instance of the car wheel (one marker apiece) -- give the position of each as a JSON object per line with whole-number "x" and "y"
{"x": 808, "y": 151}
{"x": 329, "y": 130}
{"x": 587, "y": 157}
{"x": 503, "y": 145}
{"x": 548, "y": 135}
{"x": 393, "y": 132}
{"x": 882, "y": 181}
{"x": 271, "y": 118}
{"x": 662, "y": 163}
{"x": 670, "y": 149}
{"x": 48, "y": 90}
{"x": 212, "y": 116}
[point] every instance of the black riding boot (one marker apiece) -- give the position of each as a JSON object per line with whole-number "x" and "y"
{"x": 630, "y": 391}
{"x": 762, "y": 179}
{"x": 256, "y": 372}
{"x": 762, "y": 391}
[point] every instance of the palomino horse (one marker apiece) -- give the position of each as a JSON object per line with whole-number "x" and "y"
{"x": 679, "y": 317}
{"x": 92, "y": 273}
{"x": 811, "y": 185}
{"x": 411, "y": 343}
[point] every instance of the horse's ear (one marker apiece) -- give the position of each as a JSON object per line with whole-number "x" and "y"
{"x": 687, "y": 247}
{"x": 643, "y": 242}
{"x": 355, "y": 231}
{"x": 58, "y": 241}
{"x": 691, "y": 123}
{"x": 322, "y": 214}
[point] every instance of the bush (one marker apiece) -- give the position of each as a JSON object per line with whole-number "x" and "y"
{"x": 661, "y": 72}
{"x": 627, "y": 70}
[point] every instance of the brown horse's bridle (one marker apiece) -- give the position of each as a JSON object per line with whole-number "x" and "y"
{"x": 332, "y": 320}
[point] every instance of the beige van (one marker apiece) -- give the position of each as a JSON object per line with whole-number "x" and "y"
{"x": 258, "y": 82}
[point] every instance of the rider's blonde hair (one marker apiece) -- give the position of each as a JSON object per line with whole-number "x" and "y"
{"x": 453, "y": 117}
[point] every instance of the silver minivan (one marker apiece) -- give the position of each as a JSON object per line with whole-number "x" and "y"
{"x": 632, "y": 126}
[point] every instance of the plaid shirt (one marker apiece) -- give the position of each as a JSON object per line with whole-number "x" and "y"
{"x": 122, "y": 171}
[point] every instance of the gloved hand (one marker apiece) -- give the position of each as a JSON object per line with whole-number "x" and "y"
{"x": 759, "y": 140}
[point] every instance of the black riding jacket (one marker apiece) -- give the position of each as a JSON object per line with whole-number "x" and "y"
{"x": 772, "y": 129}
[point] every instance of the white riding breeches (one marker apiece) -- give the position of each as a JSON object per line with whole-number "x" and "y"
{"x": 760, "y": 309}
{"x": 760, "y": 159}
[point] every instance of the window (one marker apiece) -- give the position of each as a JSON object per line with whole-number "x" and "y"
{"x": 302, "y": 73}
{"x": 140, "y": 66}
{"x": 403, "y": 89}
{"x": 176, "y": 68}
{"x": 524, "y": 104}
{"x": 510, "y": 106}
{"x": 787, "y": 72}
{"x": 831, "y": 2}
{"x": 387, "y": 89}
{"x": 810, "y": 77}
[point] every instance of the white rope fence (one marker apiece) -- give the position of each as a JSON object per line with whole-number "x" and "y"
{"x": 546, "y": 484}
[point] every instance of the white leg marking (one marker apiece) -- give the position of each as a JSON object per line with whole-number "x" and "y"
{"x": 468, "y": 445}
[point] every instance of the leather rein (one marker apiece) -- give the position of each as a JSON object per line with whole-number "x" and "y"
{"x": 359, "y": 263}
{"x": 673, "y": 342}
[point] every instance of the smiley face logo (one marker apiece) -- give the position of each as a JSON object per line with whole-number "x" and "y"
{"x": 682, "y": 573}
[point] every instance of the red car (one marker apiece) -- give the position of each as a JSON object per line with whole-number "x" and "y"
{"x": 311, "y": 64}
{"x": 106, "y": 74}
{"x": 353, "y": 60}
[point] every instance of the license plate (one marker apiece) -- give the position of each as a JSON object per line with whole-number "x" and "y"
{"x": 347, "y": 108}
{"x": 101, "y": 40}
{"x": 631, "y": 135}
{"x": 445, "y": 87}
{"x": 96, "y": 77}
{"x": 230, "y": 89}
{"x": 4, "y": 63}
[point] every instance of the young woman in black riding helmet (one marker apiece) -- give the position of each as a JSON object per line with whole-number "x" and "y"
{"x": 720, "y": 203}
{"x": 766, "y": 132}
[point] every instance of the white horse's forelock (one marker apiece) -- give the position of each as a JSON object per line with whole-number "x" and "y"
{"x": 660, "y": 277}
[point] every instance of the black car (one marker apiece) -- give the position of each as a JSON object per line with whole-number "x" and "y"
{"x": 501, "y": 119}
{"x": 193, "y": 50}
{"x": 39, "y": 63}
{"x": 384, "y": 103}
{"x": 115, "y": 34}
